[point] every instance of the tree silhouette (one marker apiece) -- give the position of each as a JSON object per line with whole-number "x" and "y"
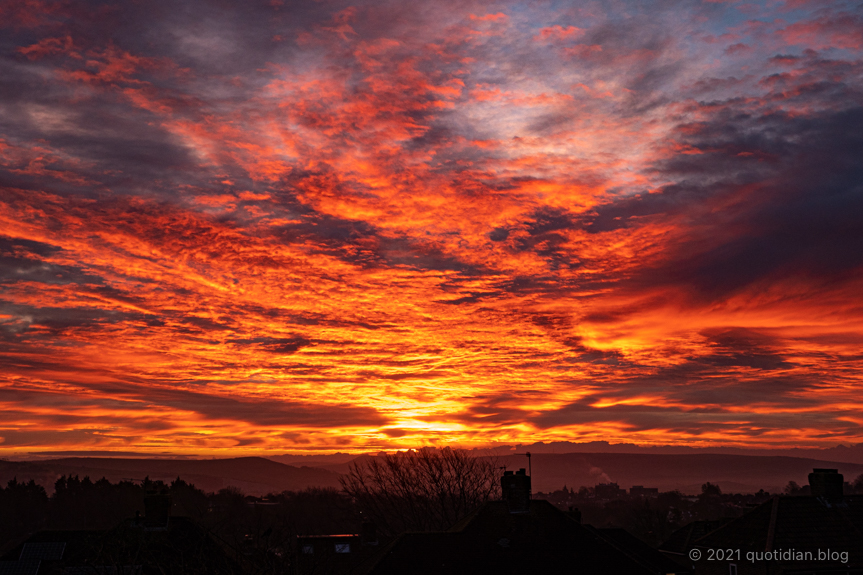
{"x": 710, "y": 490}
{"x": 422, "y": 490}
{"x": 792, "y": 488}
{"x": 22, "y": 508}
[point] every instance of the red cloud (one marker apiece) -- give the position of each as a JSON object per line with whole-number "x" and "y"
{"x": 558, "y": 33}
{"x": 840, "y": 31}
{"x": 498, "y": 17}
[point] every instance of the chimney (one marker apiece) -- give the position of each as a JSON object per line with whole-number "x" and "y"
{"x": 826, "y": 482}
{"x": 157, "y": 509}
{"x": 516, "y": 491}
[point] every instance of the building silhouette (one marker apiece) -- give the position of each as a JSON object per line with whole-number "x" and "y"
{"x": 817, "y": 534}
{"x": 153, "y": 543}
{"x": 519, "y": 535}
{"x": 641, "y": 491}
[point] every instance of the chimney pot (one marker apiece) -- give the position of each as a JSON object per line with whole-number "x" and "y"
{"x": 826, "y": 482}
{"x": 157, "y": 509}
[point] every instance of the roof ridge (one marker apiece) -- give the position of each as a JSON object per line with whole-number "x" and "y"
{"x": 623, "y": 550}
{"x": 460, "y": 525}
{"x": 771, "y": 527}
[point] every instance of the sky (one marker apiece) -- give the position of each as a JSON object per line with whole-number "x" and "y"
{"x": 232, "y": 228}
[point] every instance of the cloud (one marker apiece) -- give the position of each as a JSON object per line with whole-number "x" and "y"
{"x": 293, "y": 225}
{"x": 790, "y": 213}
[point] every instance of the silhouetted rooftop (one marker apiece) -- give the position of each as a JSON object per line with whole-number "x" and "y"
{"x": 681, "y": 540}
{"x": 182, "y": 547}
{"x": 795, "y": 522}
{"x": 544, "y": 540}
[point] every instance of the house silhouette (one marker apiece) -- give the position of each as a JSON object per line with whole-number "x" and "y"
{"x": 818, "y": 534}
{"x": 519, "y": 535}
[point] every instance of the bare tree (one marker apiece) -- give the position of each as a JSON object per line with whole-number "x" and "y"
{"x": 422, "y": 490}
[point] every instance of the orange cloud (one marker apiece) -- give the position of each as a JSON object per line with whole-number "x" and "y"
{"x": 392, "y": 229}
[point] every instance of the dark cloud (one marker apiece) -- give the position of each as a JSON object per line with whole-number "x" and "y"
{"x": 274, "y": 344}
{"x": 25, "y": 269}
{"x": 744, "y": 347}
{"x": 498, "y": 234}
{"x": 20, "y": 260}
{"x": 55, "y": 321}
{"x": 21, "y": 247}
{"x": 362, "y": 243}
{"x": 793, "y": 214}
{"x": 469, "y": 299}
{"x": 266, "y": 412}
{"x": 636, "y": 418}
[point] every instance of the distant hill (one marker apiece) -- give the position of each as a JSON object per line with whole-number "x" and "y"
{"x": 254, "y": 475}
{"x": 844, "y": 453}
{"x": 733, "y": 473}
{"x": 551, "y": 471}
{"x": 686, "y": 472}
{"x": 322, "y": 461}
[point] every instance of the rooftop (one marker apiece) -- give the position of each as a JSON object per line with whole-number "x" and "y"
{"x": 543, "y": 540}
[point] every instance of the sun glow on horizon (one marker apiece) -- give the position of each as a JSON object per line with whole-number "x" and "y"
{"x": 374, "y": 227}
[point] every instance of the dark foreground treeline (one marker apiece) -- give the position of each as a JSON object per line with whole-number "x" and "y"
{"x": 240, "y": 522}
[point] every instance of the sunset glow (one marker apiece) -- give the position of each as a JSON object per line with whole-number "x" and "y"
{"x": 320, "y": 226}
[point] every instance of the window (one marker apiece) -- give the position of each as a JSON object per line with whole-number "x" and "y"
{"x": 343, "y": 547}
{"x": 308, "y": 549}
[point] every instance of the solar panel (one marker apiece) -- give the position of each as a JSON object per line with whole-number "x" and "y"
{"x": 46, "y": 551}
{"x": 25, "y": 567}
